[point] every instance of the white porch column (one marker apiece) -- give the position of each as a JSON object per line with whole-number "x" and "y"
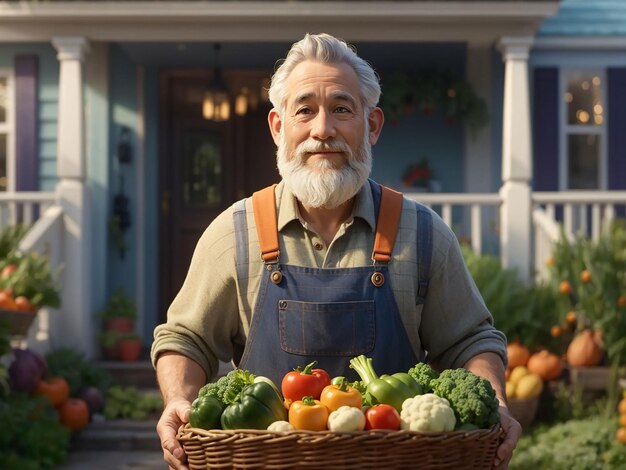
{"x": 515, "y": 213}
{"x": 74, "y": 326}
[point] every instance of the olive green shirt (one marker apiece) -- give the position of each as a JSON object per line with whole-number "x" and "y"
{"x": 209, "y": 320}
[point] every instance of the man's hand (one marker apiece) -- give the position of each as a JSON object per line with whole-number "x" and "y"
{"x": 513, "y": 431}
{"x": 175, "y": 413}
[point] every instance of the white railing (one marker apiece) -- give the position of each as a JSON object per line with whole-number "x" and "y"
{"x": 483, "y": 213}
{"x": 23, "y": 207}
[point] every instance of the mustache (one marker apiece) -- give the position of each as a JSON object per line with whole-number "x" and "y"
{"x": 329, "y": 145}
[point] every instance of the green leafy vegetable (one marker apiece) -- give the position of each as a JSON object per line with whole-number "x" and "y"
{"x": 227, "y": 388}
{"x": 423, "y": 375}
{"x": 472, "y": 398}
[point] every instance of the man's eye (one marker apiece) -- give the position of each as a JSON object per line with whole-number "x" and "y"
{"x": 304, "y": 111}
{"x": 342, "y": 110}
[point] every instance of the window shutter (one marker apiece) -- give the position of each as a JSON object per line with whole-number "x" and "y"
{"x": 617, "y": 124}
{"x": 26, "y": 169}
{"x": 546, "y": 129}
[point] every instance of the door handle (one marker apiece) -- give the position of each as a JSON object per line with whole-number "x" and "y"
{"x": 165, "y": 203}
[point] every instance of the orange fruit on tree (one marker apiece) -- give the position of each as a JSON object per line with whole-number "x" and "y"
{"x": 556, "y": 331}
{"x": 565, "y": 288}
{"x": 621, "y": 301}
{"x": 622, "y": 420}
{"x": 571, "y": 317}
{"x": 622, "y": 406}
{"x": 620, "y": 435}
{"x": 549, "y": 261}
{"x": 585, "y": 276}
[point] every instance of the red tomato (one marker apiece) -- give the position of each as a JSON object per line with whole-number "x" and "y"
{"x": 307, "y": 382}
{"x": 382, "y": 417}
{"x": 74, "y": 414}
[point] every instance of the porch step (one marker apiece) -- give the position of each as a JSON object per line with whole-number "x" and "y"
{"x": 141, "y": 374}
{"x": 118, "y": 435}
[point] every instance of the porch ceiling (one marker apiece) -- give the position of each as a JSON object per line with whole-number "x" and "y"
{"x": 474, "y": 21}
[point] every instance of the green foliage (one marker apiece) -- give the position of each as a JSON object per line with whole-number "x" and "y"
{"x": 119, "y": 305}
{"x": 595, "y": 301}
{"x": 77, "y": 370}
{"x": 227, "y": 388}
{"x": 31, "y": 437}
{"x": 587, "y": 444}
{"x": 32, "y": 279}
{"x": 519, "y": 311}
{"x": 130, "y": 403}
{"x": 423, "y": 375}
{"x": 10, "y": 238}
{"x": 472, "y": 398}
{"x": 5, "y": 347}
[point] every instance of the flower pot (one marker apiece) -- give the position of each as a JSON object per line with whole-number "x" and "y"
{"x": 129, "y": 350}
{"x": 121, "y": 324}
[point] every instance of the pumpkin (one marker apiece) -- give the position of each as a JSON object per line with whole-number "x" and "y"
{"x": 74, "y": 414}
{"x": 584, "y": 351}
{"x": 56, "y": 389}
{"x": 518, "y": 354}
{"x": 546, "y": 365}
{"x": 528, "y": 386}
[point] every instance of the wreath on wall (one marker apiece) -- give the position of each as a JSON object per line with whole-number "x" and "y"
{"x": 430, "y": 91}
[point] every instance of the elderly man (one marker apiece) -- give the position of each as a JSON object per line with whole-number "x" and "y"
{"x": 326, "y": 265}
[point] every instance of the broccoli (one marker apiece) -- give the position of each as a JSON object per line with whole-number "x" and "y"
{"x": 227, "y": 388}
{"x": 472, "y": 398}
{"x": 423, "y": 374}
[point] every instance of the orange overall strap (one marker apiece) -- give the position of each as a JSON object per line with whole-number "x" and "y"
{"x": 264, "y": 205}
{"x": 387, "y": 224}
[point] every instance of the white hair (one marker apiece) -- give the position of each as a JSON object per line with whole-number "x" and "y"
{"x": 326, "y": 49}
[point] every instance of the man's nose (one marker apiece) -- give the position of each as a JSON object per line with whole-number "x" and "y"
{"x": 323, "y": 126}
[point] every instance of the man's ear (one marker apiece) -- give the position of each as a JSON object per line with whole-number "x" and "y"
{"x": 375, "y": 119}
{"x": 275, "y": 123}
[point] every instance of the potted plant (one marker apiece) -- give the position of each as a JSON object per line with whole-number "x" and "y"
{"x": 119, "y": 313}
{"x": 109, "y": 341}
{"x": 129, "y": 347}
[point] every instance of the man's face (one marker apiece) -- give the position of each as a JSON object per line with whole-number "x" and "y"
{"x": 323, "y": 137}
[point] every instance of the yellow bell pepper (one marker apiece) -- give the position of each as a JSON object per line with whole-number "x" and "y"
{"x": 308, "y": 414}
{"x": 335, "y": 396}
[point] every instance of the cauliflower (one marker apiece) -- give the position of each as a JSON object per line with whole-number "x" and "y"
{"x": 345, "y": 419}
{"x": 280, "y": 426}
{"x": 472, "y": 398}
{"x": 423, "y": 375}
{"x": 427, "y": 413}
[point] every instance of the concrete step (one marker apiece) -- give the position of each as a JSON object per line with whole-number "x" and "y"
{"x": 118, "y": 435}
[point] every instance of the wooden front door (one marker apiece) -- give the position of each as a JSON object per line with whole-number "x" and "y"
{"x": 204, "y": 167}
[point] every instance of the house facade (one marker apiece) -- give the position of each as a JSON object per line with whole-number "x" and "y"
{"x": 104, "y": 115}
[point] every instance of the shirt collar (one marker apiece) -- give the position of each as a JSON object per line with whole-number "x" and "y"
{"x": 288, "y": 207}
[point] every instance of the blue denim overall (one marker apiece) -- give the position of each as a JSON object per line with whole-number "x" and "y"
{"x": 328, "y": 315}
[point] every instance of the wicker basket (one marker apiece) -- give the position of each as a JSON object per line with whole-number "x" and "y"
{"x": 344, "y": 450}
{"x": 524, "y": 411}
{"x": 19, "y": 322}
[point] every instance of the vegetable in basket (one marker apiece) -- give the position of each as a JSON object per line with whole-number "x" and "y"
{"x": 346, "y": 419}
{"x": 308, "y": 414}
{"x": 389, "y": 389}
{"x": 227, "y": 388}
{"x": 427, "y": 413}
{"x": 334, "y": 396}
{"x": 257, "y": 406}
{"x": 206, "y": 412}
{"x": 304, "y": 382}
{"x": 382, "y": 417}
{"x": 423, "y": 375}
{"x": 472, "y": 398}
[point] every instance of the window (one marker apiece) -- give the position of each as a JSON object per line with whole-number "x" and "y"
{"x": 583, "y": 140}
{"x": 6, "y": 130}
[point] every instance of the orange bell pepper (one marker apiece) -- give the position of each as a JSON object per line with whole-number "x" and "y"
{"x": 308, "y": 414}
{"x": 335, "y": 396}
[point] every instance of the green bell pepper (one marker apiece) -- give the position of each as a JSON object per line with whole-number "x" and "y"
{"x": 388, "y": 389}
{"x": 206, "y": 412}
{"x": 257, "y": 407}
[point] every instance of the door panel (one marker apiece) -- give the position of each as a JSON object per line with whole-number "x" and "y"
{"x": 204, "y": 167}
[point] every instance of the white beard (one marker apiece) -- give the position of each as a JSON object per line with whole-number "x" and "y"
{"x": 320, "y": 184}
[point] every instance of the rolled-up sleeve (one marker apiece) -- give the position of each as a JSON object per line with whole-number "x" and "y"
{"x": 456, "y": 324}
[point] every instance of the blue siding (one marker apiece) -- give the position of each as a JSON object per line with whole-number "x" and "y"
{"x": 587, "y": 18}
